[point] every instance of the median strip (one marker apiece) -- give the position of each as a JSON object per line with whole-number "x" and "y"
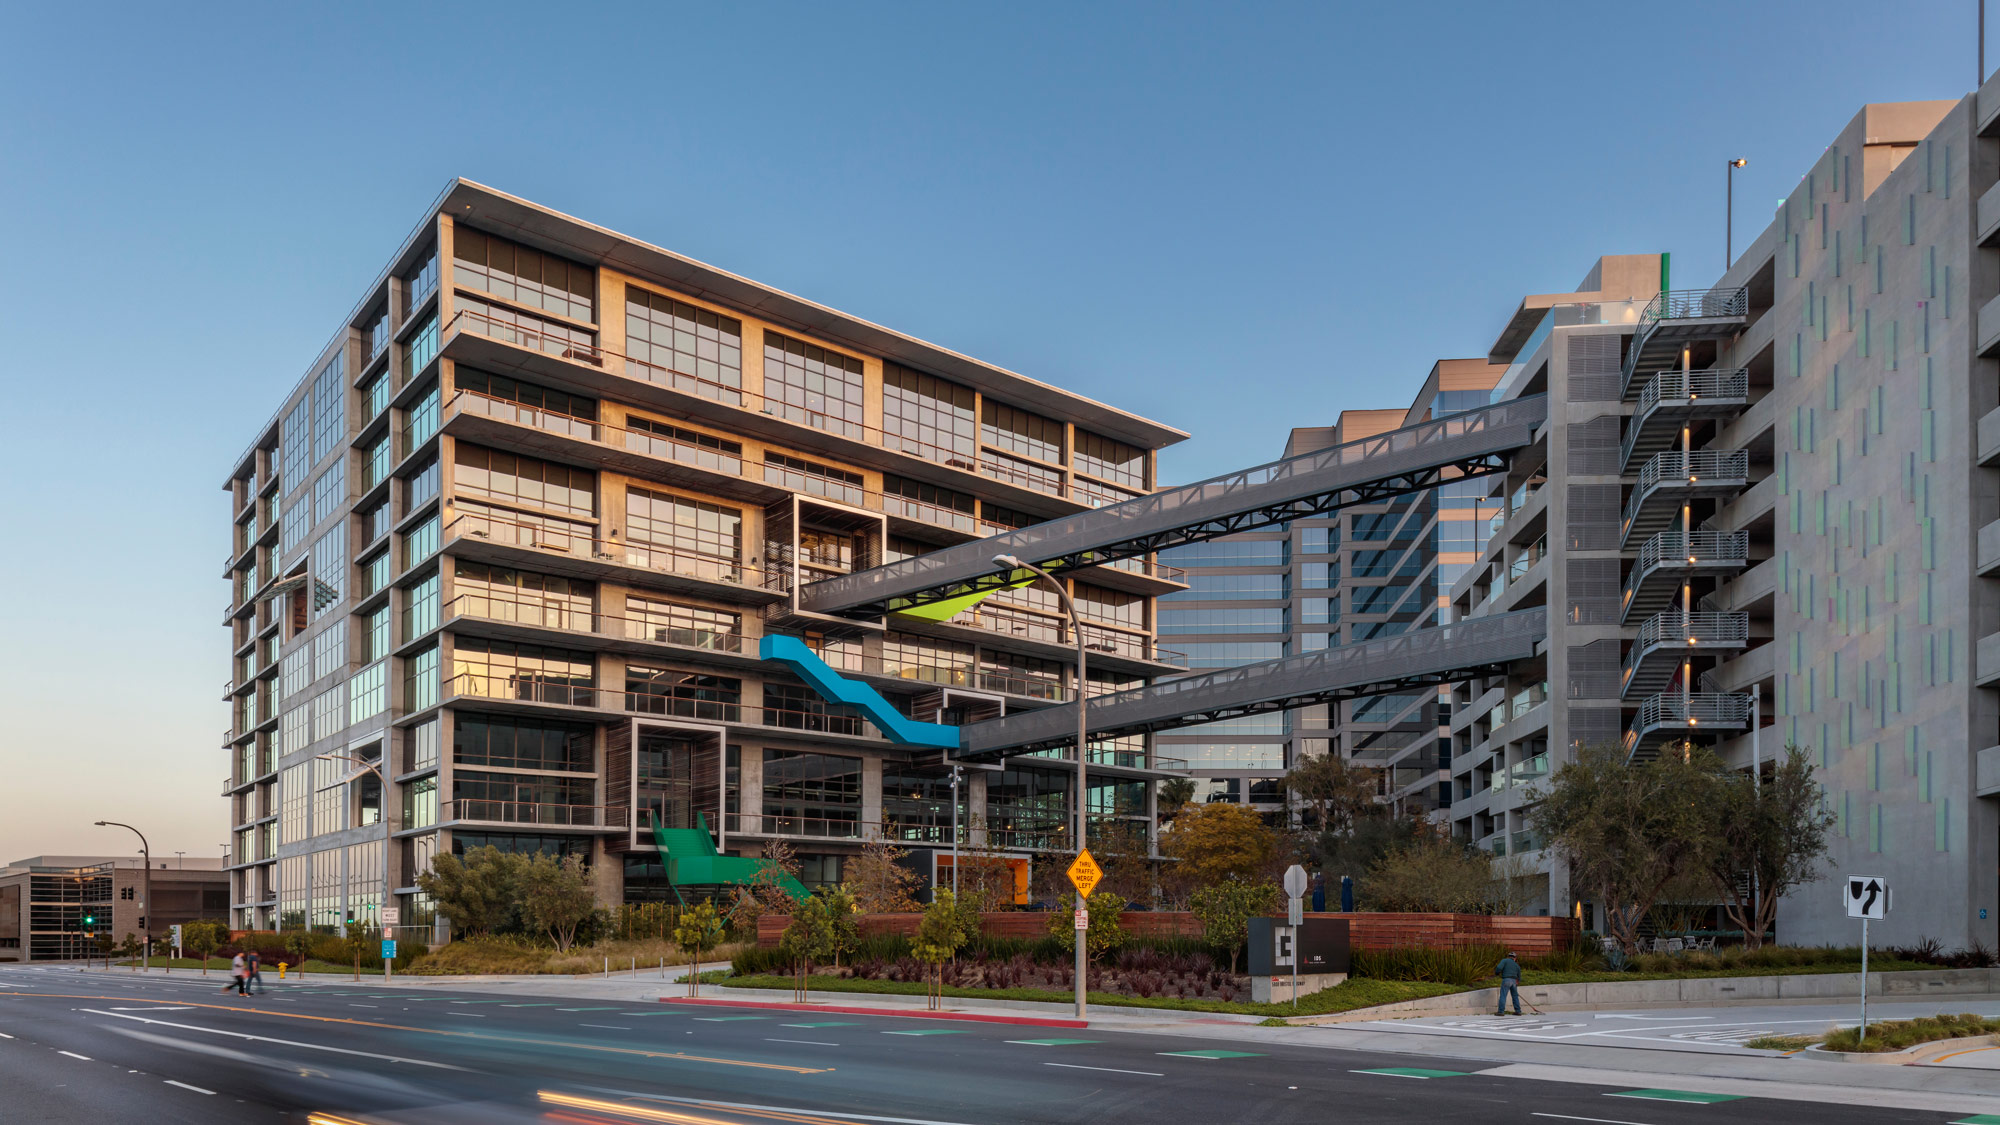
{"x": 1411, "y": 1072}
{"x": 1676, "y": 1096}
{"x": 1213, "y": 1054}
{"x": 1052, "y": 1042}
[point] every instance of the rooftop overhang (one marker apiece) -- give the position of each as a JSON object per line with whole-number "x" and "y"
{"x": 1533, "y": 308}
{"x": 517, "y": 218}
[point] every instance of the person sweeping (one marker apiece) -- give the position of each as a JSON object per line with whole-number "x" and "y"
{"x": 1510, "y": 984}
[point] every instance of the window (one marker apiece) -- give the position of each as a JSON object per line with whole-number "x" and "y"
{"x": 801, "y": 708}
{"x": 1113, "y": 460}
{"x": 1111, "y": 607}
{"x": 1027, "y": 809}
{"x": 923, "y": 658}
{"x": 692, "y": 526}
{"x": 1024, "y": 675}
{"x": 423, "y": 422}
{"x": 421, "y": 349}
{"x": 1019, "y": 432}
{"x": 329, "y": 809}
{"x": 375, "y": 523}
{"x": 375, "y": 634}
{"x": 530, "y": 331}
{"x": 327, "y": 493}
{"x": 329, "y": 712}
{"x": 524, "y": 798}
{"x": 368, "y": 693}
{"x": 297, "y": 443}
{"x": 1024, "y": 474}
{"x": 500, "y": 670}
{"x": 513, "y": 479}
{"x": 420, "y": 803}
{"x": 1319, "y": 540}
{"x": 522, "y": 744}
{"x": 1223, "y": 620}
{"x": 807, "y": 383}
{"x": 521, "y": 843}
{"x": 809, "y": 794}
{"x": 420, "y": 608}
{"x": 916, "y": 807}
{"x": 329, "y": 397}
{"x": 297, "y": 522}
{"x": 376, "y": 337}
{"x": 522, "y": 275}
{"x": 1319, "y": 611}
{"x": 529, "y": 395}
{"x": 685, "y": 347}
{"x": 690, "y": 446}
{"x": 374, "y": 575}
{"x": 690, "y": 695}
{"x": 1219, "y": 587}
{"x": 1229, "y": 654}
{"x": 420, "y": 282}
{"x": 295, "y": 672}
{"x": 929, "y": 417}
{"x": 329, "y": 571}
{"x": 295, "y": 802}
{"x": 420, "y": 542}
{"x": 423, "y": 745}
{"x": 329, "y": 651}
{"x": 1098, "y": 495}
{"x": 499, "y": 594}
{"x": 375, "y": 396}
{"x": 810, "y": 476}
{"x": 423, "y": 486}
{"x": 694, "y": 626}
{"x": 420, "y": 681}
{"x": 932, "y": 503}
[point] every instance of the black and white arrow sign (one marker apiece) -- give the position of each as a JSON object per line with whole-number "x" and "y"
{"x": 1867, "y": 897}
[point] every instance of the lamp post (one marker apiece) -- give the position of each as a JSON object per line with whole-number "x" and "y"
{"x": 388, "y": 888}
{"x": 1011, "y": 563}
{"x": 1729, "y": 215}
{"x": 145, "y": 883}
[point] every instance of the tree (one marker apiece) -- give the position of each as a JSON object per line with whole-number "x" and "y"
{"x": 879, "y": 881}
{"x": 940, "y": 934}
{"x": 1219, "y": 841}
{"x": 1432, "y": 874}
{"x": 556, "y": 896}
{"x": 1628, "y": 831}
{"x": 204, "y": 938}
{"x": 1772, "y": 836}
{"x": 698, "y": 931}
{"x": 1224, "y": 910}
{"x": 1107, "y": 927}
{"x": 131, "y": 948}
{"x": 766, "y": 893}
{"x": 1122, "y": 852}
{"x": 843, "y": 921}
{"x": 1332, "y": 792}
{"x": 1352, "y": 854}
{"x": 476, "y": 892}
{"x": 810, "y": 936}
{"x": 1175, "y": 793}
{"x": 298, "y": 946}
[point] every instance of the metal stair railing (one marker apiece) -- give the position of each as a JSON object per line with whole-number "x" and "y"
{"x": 1685, "y": 549}
{"x": 1690, "y": 466}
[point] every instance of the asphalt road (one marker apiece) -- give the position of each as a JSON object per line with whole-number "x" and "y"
{"x": 102, "y": 1048}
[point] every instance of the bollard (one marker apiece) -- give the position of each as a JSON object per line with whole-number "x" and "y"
{"x": 663, "y": 968}
{"x": 607, "y": 965}
{"x": 635, "y": 963}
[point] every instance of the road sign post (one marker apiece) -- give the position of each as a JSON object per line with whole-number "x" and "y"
{"x": 1867, "y": 897}
{"x": 390, "y": 916}
{"x": 1296, "y": 883}
{"x": 1084, "y": 874}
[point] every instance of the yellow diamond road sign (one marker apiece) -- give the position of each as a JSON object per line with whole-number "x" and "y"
{"x": 1084, "y": 873}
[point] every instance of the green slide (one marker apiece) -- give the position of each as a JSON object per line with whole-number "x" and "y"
{"x": 692, "y": 861}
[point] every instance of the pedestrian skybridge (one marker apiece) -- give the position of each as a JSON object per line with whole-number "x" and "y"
{"x": 1470, "y": 444}
{"x": 1422, "y": 657}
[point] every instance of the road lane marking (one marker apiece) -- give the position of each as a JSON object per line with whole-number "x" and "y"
{"x": 807, "y": 1115}
{"x": 824, "y": 1023}
{"x": 4, "y": 1035}
{"x": 605, "y": 1026}
{"x": 527, "y": 1005}
{"x": 74, "y": 1055}
{"x": 1676, "y": 1096}
{"x": 467, "y": 1015}
{"x": 1107, "y": 1069}
{"x": 364, "y": 1005}
{"x": 704, "y": 1019}
{"x": 1411, "y": 1072}
{"x": 185, "y": 1086}
{"x": 612, "y": 1008}
{"x": 1600, "y": 1120}
{"x": 181, "y": 1008}
{"x": 282, "y": 1042}
{"x": 1052, "y": 1042}
{"x": 932, "y": 1031}
{"x": 807, "y": 1042}
{"x": 1212, "y": 1054}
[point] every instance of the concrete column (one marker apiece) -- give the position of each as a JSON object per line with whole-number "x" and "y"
{"x": 871, "y": 798}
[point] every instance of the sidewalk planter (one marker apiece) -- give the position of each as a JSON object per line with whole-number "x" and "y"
{"x": 1526, "y": 936}
{"x": 1908, "y": 1056}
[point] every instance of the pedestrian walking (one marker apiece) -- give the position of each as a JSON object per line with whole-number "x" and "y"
{"x": 239, "y": 971}
{"x": 1510, "y": 984}
{"x": 255, "y": 965}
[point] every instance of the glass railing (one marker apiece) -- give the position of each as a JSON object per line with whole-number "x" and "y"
{"x": 533, "y": 812}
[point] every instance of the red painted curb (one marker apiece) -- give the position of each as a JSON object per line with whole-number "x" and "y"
{"x": 966, "y": 1017}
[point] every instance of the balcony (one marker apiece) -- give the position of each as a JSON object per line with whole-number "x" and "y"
{"x": 1671, "y": 557}
{"x": 521, "y": 687}
{"x": 569, "y": 549}
{"x": 554, "y": 353}
{"x": 522, "y": 616}
{"x": 478, "y": 811}
{"x": 1666, "y": 638}
{"x": 1674, "y": 478}
{"x": 1675, "y": 318}
{"x": 1672, "y": 399}
{"x": 1673, "y": 717}
{"x": 816, "y": 828}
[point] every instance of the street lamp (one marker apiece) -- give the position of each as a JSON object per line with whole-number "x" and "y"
{"x": 1729, "y": 215}
{"x": 145, "y": 883}
{"x": 388, "y": 886}
{"x": 1011, "y": 563}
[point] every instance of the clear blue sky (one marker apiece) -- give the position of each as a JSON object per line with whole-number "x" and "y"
{"x": 1198, "y": 212}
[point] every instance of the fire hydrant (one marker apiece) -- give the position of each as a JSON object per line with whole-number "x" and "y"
{"x": 281, "y": 970}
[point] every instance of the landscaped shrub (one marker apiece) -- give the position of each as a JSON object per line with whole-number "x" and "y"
{"x": 1896, "y": 1035}
{"x": 1464, "y": 967}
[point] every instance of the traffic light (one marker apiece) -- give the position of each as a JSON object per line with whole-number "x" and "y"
{"x": 90, "y": 919}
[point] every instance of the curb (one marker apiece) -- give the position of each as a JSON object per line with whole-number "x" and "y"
{"x": 1919, "y": 1055}
{"x": 845, "y": 1010}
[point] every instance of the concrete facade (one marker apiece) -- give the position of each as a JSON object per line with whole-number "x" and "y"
{"x": 1829, "y": 393}
{"x": 54, "y": 907}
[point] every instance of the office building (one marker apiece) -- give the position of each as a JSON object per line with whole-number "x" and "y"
{"x": 1762, "y": 513}
{"x": 501, "y": 559}
{"x": 62, "y": 907}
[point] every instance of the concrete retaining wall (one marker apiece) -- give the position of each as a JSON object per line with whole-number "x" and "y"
{"x": 1693, "y": 991}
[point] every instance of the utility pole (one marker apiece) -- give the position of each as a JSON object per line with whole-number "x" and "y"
{"x": 1012, "y": 563}
{"x": 145, "y": 882}
{"x": 1729, "y": 215}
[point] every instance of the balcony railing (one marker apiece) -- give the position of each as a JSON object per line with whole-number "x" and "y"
{"x": 521, "y": 687}
{"x": 531, "y": 812}
{"x": 1675, "y": 628}
{"x": 824, "y": 828}
{"x": 575, "y": 544}
{"x": 1678, "y": 548}
{"x": 968, "y": 458}
{"x": 526, "y": 609}
{"x": 1687, "y": 467}
{"x": 1694, "y": 304}
{"x": 1692, "y": 386}
{"x": 1720, "y": 709}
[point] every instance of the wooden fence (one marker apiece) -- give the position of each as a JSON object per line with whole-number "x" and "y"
{"x": 1527, "y": 936}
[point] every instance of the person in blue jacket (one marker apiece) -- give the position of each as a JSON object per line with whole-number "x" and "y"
{"x": 1510, "y": 984}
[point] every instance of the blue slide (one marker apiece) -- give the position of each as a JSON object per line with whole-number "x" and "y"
{"x": 831, "y": 685}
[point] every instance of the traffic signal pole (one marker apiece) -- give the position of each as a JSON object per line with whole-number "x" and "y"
{"x": 146, "y": 884}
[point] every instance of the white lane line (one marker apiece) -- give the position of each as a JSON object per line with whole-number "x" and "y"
{"x": 807, "y": 1042}
{"x": 467, "y": 1015}
{"x": 281, "y": 1042}
{"x": 183, "y": 1008}
{"x": 605, "y": 1026}
{"x": 4, "y": 1035}
{"x": 1390, "y": 1074}
{"x": 74, "y": 1055}
{"x": 1600, "y": 1120}
{"x": 1107, "y": 1069}
{"x": 185, "y": 1086}
{"x": 364, "y": 1005}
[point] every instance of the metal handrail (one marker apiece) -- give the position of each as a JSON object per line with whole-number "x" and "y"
{"x": 1688, "y": 386}
{"x": 1699, "y": 628}
{"x": 707, "y": 568}
{"x": 523, "y": 688}
{"x": 494, "y": 811}
{"x": 1676, "y": 548}
{"x": 1688, "y": 466}
{"x": 540, "y": 614}
{"x": 1719, "y": 708}
{"x": 1694, "y": 304}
